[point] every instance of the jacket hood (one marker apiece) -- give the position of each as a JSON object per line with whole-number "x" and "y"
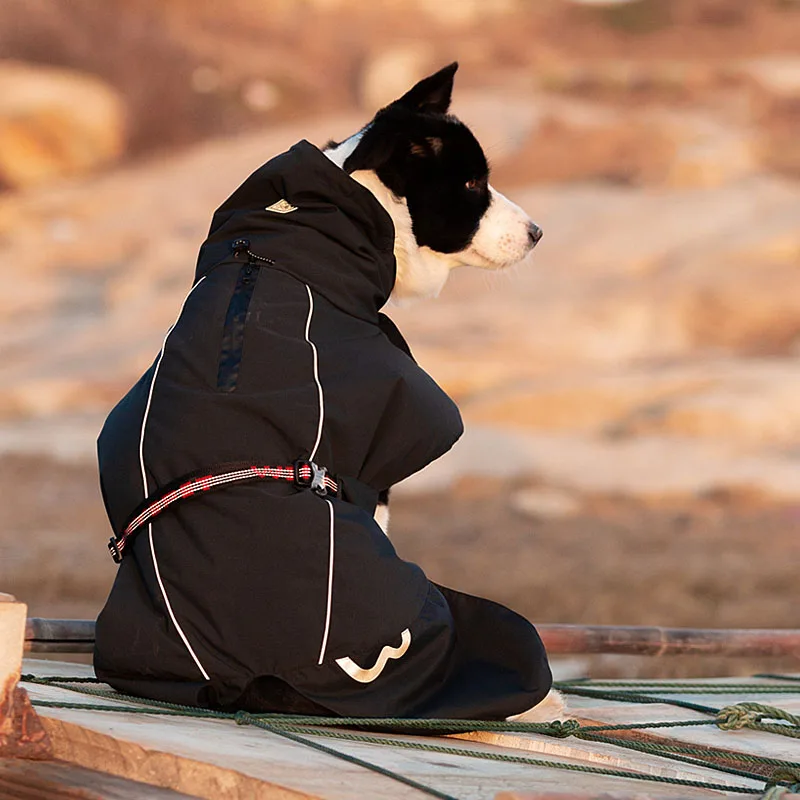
{"x": 331, "y": 232}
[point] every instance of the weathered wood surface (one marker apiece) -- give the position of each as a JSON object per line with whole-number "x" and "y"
{"x": 651, "y": 641}
{"x": 12, "y": 627}
{"x": 77, "y": 636}
{"x": 55, "y": 780}
{"x": 743, "y": 741}
{"x": 216, "y": 758}
{"x": 604, "y": 755}
{"x": 596, "y": 711}
{"x": 21, "y": 734}
{"x": 59, "y": 635}
{"x": 535, "y": 795}
{"x": 572, "y": 796}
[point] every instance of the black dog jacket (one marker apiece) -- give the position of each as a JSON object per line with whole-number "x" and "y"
{"x": 266, "y": 595}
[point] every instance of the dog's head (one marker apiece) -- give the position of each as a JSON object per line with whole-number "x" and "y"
{"x": 429, "y": 172}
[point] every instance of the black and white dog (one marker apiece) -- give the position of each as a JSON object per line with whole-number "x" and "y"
{"x": 242, "y": 473}
{"x": 427, "y": 169}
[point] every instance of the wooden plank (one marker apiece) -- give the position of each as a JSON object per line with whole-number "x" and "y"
{"x": 606, "y": 755}
{"x": 742, "y": 741}
{"x": 55, "y": 780}
{"x": 59, "y": 635}
{"x": 654, "y": 641}
{"x": 77, "y": 636}
{"x": 216, "y": 758}
{"x": 571, "y": 796}
{"x": 21, "y": 734}
{"x": 534, "y": 795}
{"x": 50, "y": 669}
{"x": 727, "y": 744}
{"x": 12, "y": 633}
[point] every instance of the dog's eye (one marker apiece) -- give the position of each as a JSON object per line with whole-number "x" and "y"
{"x": 474, "y": 185}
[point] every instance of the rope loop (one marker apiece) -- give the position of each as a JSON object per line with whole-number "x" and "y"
{"x": 786, "y": 775}
{"x": 242, "y": 718}
{"x": 562, "y": 729}
{"x": 752, "y": 715}
{"x": 776, "y": 792}
{"x": 734, "y": 718}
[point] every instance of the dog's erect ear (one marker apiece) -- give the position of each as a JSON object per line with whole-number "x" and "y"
{"x": 432, "y": 94}
{"x": 376, "y": 147}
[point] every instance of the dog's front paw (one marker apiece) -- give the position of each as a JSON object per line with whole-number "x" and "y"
{"x": 382, "y": 511}
{"x": 552, "y": 708}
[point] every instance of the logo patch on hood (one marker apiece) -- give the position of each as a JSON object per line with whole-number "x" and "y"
{"x": 281, "y": 207}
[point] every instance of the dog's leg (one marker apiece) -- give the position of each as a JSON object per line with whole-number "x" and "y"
{"x": 382, "y": 511}
{"x": 553, "y": 707}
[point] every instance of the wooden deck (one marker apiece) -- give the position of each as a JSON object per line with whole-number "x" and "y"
{"x": 214, "y": 758}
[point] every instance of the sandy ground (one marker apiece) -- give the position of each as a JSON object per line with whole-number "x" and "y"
{"x": 722, "y": 560}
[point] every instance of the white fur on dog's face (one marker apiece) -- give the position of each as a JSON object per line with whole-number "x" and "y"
{"x": 502, "y": 237}
{"x": 501, "y": 240}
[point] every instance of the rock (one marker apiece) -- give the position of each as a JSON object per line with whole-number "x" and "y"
{"x": 55, "y": 123}
{"x": 590, "y": 403}
{"x": 466, "y": 12}
{"x": 751, "y": 402}
{"x": 710, "y": 154}
{"x": 612, "y": 78}
{"x": 564, "y": 148}
{"x": 776, "y": 112}
{"x": 755, "y": 310}
{"x": 389, "y": 74}
{"x": 778, "y": 75}
{"x": 545, "y": 503}
{"x": 456, "y": 14}
{"x": 756, "y": 403}
{"x": 645, "y": 466}
{"x": 576, "y": 141}
{"x": 261, "y": 96}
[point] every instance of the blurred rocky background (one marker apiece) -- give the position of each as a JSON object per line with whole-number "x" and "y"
{"x": 631, "y": 395}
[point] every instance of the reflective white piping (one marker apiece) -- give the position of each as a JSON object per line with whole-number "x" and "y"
{"x": 147, "y": 491}
{"x": 368, "y": 675}
{"x": 330, "y": 588}
{"x": 311, "y": 458}
{"x": 316, "y": 375}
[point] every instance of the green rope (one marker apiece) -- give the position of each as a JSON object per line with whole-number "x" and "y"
{"x": 703, "y": 757}
{"x": 556, "y": 728}
{"x": 243, "y": 718}
{"x": 681, "y": 688}
{"x": 749, "y": 715}
{"x": 277, "y": 730}
{"x": 310, "y": 725}
{"x": 731, "y": 755}
{"x": 633, "y": 697}
{"x": 28, "y": 678}
{"x": 163, "y": 712}
{"x": 365, "y": 738}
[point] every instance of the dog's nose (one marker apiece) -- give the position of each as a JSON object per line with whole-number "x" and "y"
{"x": 534, "y": 233}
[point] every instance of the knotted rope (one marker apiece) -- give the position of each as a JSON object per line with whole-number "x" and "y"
{"x": 751, "y": 715}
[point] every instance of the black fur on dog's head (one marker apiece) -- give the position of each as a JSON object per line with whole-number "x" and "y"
{"x": 430, "y": 173}
{"x": 430, "y": 159}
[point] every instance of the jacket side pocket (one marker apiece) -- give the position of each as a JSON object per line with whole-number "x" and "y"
{"x": 230, "y": 356}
